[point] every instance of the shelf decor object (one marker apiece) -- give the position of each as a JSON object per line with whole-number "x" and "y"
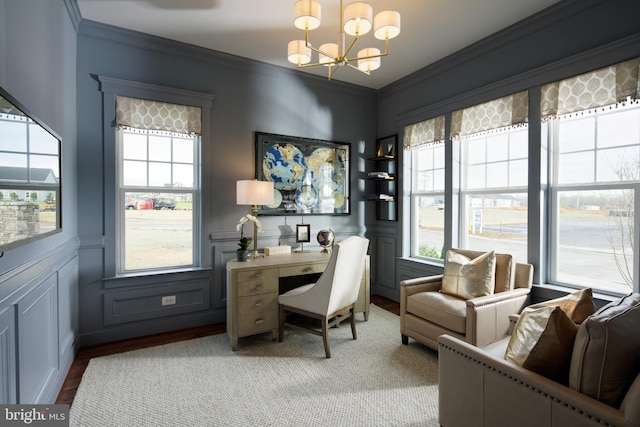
{"x": 384, "y": 176}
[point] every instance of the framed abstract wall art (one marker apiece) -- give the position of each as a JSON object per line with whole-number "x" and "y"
{"x": 310, "y": 176}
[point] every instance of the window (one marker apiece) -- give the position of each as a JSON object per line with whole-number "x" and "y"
{"x": 427, "y": 201}
{"x": 494, "y": 191}
{"x": 596, "y": 180}
{"x": 425, "y": 142}
{"x": 157, "y": 191}
{"x": 494, "y": 175}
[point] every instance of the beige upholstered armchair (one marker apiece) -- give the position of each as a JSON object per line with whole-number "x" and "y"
{"x": 426, "y": 312}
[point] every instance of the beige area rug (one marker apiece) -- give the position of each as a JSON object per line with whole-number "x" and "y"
{"x": 372, "y": 381}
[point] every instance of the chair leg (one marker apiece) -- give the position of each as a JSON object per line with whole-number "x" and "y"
{"x": 281, "y": 318}
{"x": 353, "y": 324}
{"x": 325, "y": 336}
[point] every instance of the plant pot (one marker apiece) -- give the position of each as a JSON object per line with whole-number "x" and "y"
{"x": 241, "y": 255}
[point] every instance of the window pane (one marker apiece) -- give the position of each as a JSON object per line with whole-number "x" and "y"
{"x": 576, "y": 134}
{"x": 576, "y": 168}
{"x": 157, "y": 238}
{"x": 44, "y": 169}
{"x": 160, "y": 174}
{"x": 134, "y": 173}
{"x": 41, "y": 141}
{"x": 14, "y": 161}
{"x": 476, "y": 176}
{"x": 518, "y": 143}
{"x": 497, "y": 222}
{"x": 619, "y": 128}
{"x": 498, "y": 177}
{"x": 518, "y": 173}
{"x": 160, "y": 148}
{"x": 618, "y": 164}
{"x": 183, "y": 176}
{"x": 182, "y": 150}
{"x": 134, "y": 146}
{"x": 476, "y": 152}
{"x": 594, "y": 246}
{"x": 438, "y": 156}
{"x": 13, "y": 136}
{"x": 430, "y": 233}
{"x": 497, "y": 147}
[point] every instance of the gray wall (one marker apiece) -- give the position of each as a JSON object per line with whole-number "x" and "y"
{"x": 566, "y": 39}
{"x": 248, "y": 96}
{"x": 39, "y": 281}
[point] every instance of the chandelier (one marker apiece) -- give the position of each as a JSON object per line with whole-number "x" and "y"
{"x": 355, "y": 21}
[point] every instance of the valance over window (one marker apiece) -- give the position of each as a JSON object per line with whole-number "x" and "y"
{"x": 599, "y": 88}
{"x": 512, "y": 110}
{"x": 157, "y": 116}
{"x": 423, "y": 133}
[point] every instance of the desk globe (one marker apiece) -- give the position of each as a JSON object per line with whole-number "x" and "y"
{"x": 326, "y": 238}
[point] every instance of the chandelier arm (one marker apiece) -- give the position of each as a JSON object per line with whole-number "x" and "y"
{"x": 332, "y": 70}
{"x": 385, "y": 53}
{"x": 315, "y": 64}
{"x": 362, "y": 71}
{"x": 353, "y": 42}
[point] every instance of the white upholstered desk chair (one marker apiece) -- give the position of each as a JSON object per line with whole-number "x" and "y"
{"x": 332, "y": 298}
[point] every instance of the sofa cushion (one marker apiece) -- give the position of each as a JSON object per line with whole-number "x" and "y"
{"x": 442, "y": 309}
{"x": 505, "y": 277}
{"x": 542, "y": 342}
{"x": 469, "y": 278}
{"x": 606, "y": 355}
{"x": 578, "y": 305}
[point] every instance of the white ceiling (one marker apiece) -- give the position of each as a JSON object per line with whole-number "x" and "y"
{"x": 261, "y": 29}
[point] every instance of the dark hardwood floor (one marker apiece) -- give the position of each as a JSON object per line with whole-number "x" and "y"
{"x": 70, "y": 386}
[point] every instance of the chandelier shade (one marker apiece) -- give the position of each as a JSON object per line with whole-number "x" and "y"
{"x": 356, "y": 20}
{"x": 386, "y": 25}
{"x": 306, "y": 14}
{"x": 330, "y": 53}
{"x": 298, "y": 52}
{"x": 370, "y": 59}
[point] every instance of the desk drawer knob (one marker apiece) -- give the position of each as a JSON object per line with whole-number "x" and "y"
{"x": 259, "y": 321}
{"x": 259, "y": 275}
{"x": 259, "y": 287}
{"x": 259, "y": 303}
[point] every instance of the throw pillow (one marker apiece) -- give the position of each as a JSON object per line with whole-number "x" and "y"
{"x": 578, "y": 305}
{"x": 542, "y": 342}
{"x": 606, "y": 356}
{"x": 469, "y": 278}
{"x": 505, "y": 269}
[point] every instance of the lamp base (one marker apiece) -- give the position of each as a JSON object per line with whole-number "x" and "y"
{"x": 255, "y": 254}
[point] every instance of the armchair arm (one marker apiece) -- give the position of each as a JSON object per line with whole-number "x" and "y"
{"x": 488, "y": 316}
{"x": 472, "y": 375}
{"x": 421, "y": 284}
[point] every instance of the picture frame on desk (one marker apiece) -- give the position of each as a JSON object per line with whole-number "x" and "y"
{"x": 303, "y": 233}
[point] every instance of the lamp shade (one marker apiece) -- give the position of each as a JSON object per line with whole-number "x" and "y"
{"x": 369, "y": 64}
{"x": 298, "y": 52}
{"x": 357, "y": 18}
{"x": 331, "y": 50}
{"x": 254, "y": 192}
{"x": 306, "y": 14}
{"x": 386, "y": 25}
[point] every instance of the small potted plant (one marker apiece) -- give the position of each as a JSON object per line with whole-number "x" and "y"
{"x": 245, "y": 241}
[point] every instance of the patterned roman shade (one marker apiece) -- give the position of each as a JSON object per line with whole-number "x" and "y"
{"x": 158, "y": 116}
{"x": 512, "y": 110}
{"x": 423, "y": 133}
{"x": 600, "y": 88}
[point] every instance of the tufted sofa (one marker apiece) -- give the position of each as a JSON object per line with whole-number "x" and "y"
{"x": 426, "y": 313}
{"x": 479, "y": 387}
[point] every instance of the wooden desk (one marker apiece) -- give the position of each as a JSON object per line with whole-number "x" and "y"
{"x": 253, "y": 288}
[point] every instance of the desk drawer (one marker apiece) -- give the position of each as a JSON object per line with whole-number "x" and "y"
{"x": 258, "y": 313}
{"x": 299, "y": 270}
{"x": 266, "y": 273}
{"x": 257, "y": 286}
